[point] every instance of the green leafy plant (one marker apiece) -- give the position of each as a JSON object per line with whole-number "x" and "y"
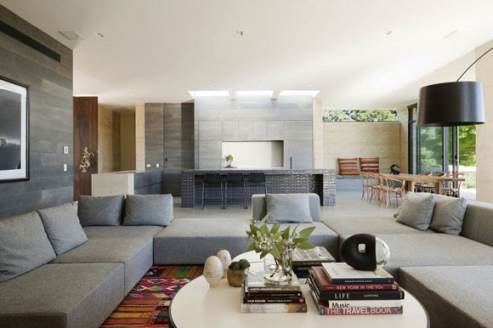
{"x": 280, "y": 243}
{"x": 229, "y": 158}
{"x": 276, "y": 241}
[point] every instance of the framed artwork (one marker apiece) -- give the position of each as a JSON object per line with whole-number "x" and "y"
{"x": 14, "y": 131}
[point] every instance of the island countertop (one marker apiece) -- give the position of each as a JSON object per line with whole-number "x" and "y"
{"x": 277, "y": 180}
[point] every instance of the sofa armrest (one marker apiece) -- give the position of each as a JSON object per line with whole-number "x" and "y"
{"x": 259, "y": 207}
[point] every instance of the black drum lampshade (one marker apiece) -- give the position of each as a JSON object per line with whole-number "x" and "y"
{"x": 451, "y": 104}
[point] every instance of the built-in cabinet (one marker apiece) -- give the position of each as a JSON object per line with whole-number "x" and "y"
{"x": 169, "y": 136}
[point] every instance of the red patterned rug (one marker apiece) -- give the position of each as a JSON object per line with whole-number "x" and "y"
{"x": 147, "y": 305}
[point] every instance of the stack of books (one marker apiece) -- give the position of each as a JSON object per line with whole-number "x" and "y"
{"x": 338, "y": 289}
{"x": 260, "y": 296}
{"x": 303, "y": 260}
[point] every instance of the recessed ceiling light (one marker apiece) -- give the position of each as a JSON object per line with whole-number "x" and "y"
{"x": 388, "y": 33}
{"x": 254, "y": 93}
{"x": 70, "y": 35}
{"x": 311, "y": 93}
{"x": 209, "y": 93}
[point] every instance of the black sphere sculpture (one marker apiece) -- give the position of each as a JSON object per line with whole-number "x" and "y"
{"x": 359, "y": 251}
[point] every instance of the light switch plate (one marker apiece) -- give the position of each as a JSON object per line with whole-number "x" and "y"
{"x": 157, "y": 164}
{"x": 65, "y": 167}
{"x": 65, "y": 150}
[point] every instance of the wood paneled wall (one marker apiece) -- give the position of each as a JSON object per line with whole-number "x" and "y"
{"x": 85, "y": 135}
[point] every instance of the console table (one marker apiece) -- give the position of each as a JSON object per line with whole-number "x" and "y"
{"x": 196, "y": 305}
{"x": 319, "y": 181}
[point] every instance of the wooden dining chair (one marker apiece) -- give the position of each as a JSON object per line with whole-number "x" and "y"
{"x": 370, "y": 183}
{"x": 450, "y": 186}
{"x": 393, "y": 190}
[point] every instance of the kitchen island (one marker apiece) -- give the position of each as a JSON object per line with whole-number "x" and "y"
{"x": 319, "y": 181}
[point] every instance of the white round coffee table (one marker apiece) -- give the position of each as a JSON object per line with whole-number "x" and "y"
{"x": 196, "y": 305}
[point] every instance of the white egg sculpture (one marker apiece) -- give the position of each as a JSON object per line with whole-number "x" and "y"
{"x": 225, "y": 258}
{"x": 213, "y": 271}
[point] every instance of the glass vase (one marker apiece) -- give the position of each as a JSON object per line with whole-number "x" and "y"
{"x": 279, "y": 269}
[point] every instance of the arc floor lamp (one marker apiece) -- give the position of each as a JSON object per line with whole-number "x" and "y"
{"x": 452, "y": 104}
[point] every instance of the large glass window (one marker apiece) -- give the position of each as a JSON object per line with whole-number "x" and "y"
{"x": 429, "y": 150}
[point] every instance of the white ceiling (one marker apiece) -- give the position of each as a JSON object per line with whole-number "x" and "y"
{"x": 358, "y": 53}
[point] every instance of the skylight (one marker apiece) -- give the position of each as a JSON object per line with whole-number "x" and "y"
{"x": 254, "y": 93}
{"x": 311, "y": 93}
{"x": 209, "y": 93}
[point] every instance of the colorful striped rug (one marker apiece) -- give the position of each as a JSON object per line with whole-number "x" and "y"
{"x": 147, "y": 305}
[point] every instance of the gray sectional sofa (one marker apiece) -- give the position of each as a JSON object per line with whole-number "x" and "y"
{"x": 451, "y": 275}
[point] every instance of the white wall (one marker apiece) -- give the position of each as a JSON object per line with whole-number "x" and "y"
{"x": 255, "y": 154}
{"x": 484, "y": 137}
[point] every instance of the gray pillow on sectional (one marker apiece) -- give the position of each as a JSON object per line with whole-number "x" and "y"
{"x": 24, "y": 245}
{"x": 148, "y": 210}
{"x": 448, "y": 215}
{"x": 63, "y": 227}
{"x": 416, "y": 210}
{"x": 285, "y": 208}
{"x": 105, "y": 211}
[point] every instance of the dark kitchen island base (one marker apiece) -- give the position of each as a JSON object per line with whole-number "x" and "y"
{"x": 321, "y": 182}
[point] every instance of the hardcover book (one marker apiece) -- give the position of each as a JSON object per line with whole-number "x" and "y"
{"x": 256, "y": 283}
{"x": 324, "y": 284}
{"x": 273, "y": 308}
{"x": 309, "y": 257}
{"x": 342, "y": 309}
{"x": 353, "y": 295}
{"x": 342, "y": 273}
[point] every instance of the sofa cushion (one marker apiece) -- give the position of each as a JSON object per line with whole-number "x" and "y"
{"x": 287, "y": 208}
{"x": 416, "y": 210}
{"x": 24, "y": 245}
{"x": 63, "y": 228}
{"x": 448, "y": 214}
{"x": 96, "y": 211}
{"x": 458, "y": 296}
{"x": 148, "y": 210}
{"x": 434, "y": 249}
{"x": 478, "y": 222}
{"x": 191, "y": 241}
{"x": 62, "y": 295}
{"x": 259, "y": 206}
{"x": 130, "y": 245}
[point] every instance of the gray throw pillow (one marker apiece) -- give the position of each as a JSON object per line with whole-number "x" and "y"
{"x": 96, "y": 211}
{"x": 416, "y": 210}
{"x": 63, "y": 227}
{"x": 286, "y": 208}
{"x": 448, "y": 215}
{"x": 24, "y": 245}
{"x": 148, "y": 210}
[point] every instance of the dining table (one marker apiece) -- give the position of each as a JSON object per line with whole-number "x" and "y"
{"x": 412, "y": 179}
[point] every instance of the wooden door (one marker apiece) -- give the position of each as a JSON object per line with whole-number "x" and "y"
{"x": 85, "y": 143}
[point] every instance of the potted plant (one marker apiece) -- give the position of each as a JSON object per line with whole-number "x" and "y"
{"x": 229, "y": 160}
{"x": 280, "y": 243}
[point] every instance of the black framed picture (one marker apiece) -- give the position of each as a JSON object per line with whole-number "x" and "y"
{"x": 14, "y": 131}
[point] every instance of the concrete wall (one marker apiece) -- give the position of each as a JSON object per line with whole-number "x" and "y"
{"x": 484, "y": 146}
{"x": 127, "y": 140}
{"x": 362, "y": 139}
{"x": 140, "y": 137}
{"x": 219, "y": 119}
{"x": 50, "y": 103}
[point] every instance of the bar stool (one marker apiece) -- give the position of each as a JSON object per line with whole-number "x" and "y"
{"x": 235, "y": 180}
{"x": 212, "y": 180}
{"x": 256, "y": 180}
